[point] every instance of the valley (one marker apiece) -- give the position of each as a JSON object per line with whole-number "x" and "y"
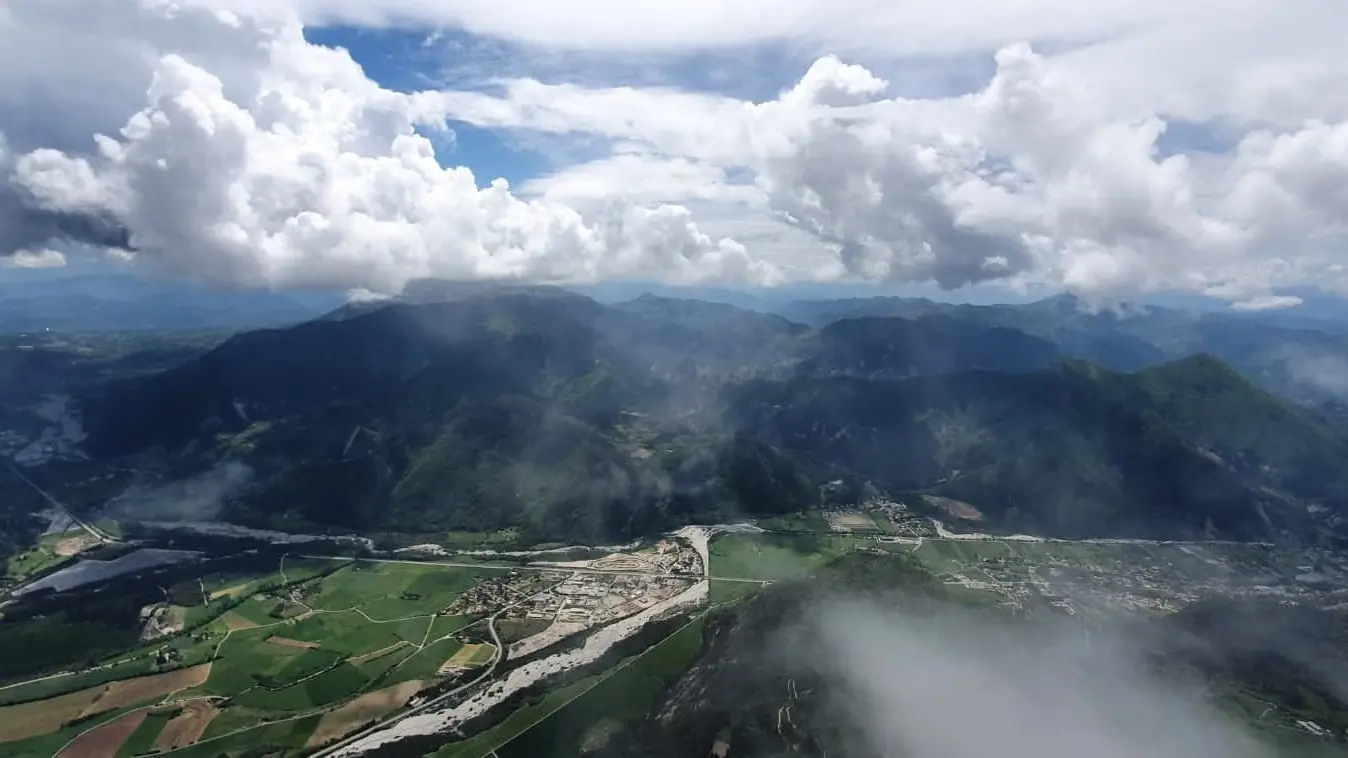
{"x": 347, "y": 655}
{"x": 520, "y": 523}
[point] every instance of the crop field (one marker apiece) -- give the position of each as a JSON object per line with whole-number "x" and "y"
{"x": 106, "y": 739}
{"x": 142, "y": 740}
{"x": 264, "y": 661}
{"x": 470, "y": 656}
{"x": 187, "y": 726}
{"x": 59, "y": 685}
{"x": 362, "y": 710}
{"x": 38, "y": 717}
{"x": 26, "y": 720}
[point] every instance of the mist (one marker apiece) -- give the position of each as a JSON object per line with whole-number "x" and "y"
{"x": 195, "y": 498}
{"x": 959, "y": 687}
{"x": 1324, "y": 371}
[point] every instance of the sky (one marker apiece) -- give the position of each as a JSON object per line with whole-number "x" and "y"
{"x": 1110, "y": 149}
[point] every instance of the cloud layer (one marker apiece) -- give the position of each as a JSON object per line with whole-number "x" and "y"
{"x": 965, "y": 690}
{"x": 228, "y": 148}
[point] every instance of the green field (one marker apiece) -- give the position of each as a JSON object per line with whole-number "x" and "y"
{"x": 627, "y": 693}
{"x": 775, "y": 556}
{"x": 945, "y": 556}
{"x": 721, "y": 591}
{"x": 48, "y": 745}
{"x": 288, "y": 734}
{"x": 141, "y": 742}
{"x": 519, "y": 721}
{"x": 38, "y": 558}
{"x": 61, "y": 684}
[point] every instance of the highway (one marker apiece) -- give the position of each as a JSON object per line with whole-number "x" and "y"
{"x": 97, "y": 533}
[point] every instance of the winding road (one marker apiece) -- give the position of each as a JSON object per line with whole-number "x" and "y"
{"x": 337, "y": 747}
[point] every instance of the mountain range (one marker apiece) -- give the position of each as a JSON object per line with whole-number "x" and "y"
{"x": 542, "y": 411}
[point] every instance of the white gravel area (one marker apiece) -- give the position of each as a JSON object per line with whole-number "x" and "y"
{"x": 496, "y": 692}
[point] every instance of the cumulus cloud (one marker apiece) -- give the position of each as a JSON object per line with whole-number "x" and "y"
{"x": 247, "y": 156}
{"x": 312, "y": 175}
{"x": 1032, "y": 180}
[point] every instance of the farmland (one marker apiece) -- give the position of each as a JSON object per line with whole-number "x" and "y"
{"x": 771, "y": 557}
{"x": 288, "y": 654}
{"x": 105, "y": 739}
{"x": 256, "y": 658}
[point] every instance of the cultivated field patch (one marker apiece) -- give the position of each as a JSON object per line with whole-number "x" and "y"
{"x": 104, "y": 741}
{"x": 234, "y": 622}
{"x": 287, "y": 642}
{"x": 129, "y": 692}
{"x": 19, "y": 722}
{"x": 188, "y": 726}
{"x": 141, "y": 741}
{"x": 468, "y": 656}
{"x": 231, "y": 591}
{"x": 363, "y": 709}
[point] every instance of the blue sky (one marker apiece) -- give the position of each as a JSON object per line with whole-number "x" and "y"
{"x": 403, "y": 61}
{"x": 411, "y": 60}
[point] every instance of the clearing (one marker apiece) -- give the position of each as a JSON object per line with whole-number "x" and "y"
{"x": 75, "y": 545}
{"x": 188, "y": 726}
{"x": 104, "y": 741}
{"x": 363, "y": 709}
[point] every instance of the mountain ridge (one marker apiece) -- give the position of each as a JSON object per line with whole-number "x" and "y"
{"x": 546, "y": 410}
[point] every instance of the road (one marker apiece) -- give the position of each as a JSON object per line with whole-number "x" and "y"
{"x": 97, "y": 533}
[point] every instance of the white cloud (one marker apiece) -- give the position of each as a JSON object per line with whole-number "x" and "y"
{"x": 843, "y": 25}
{"x": 306, "y": 173}
{"x": 1036, "y": 179}
{"x": 45, "y": 258}
{"x": 260, "y": 160}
